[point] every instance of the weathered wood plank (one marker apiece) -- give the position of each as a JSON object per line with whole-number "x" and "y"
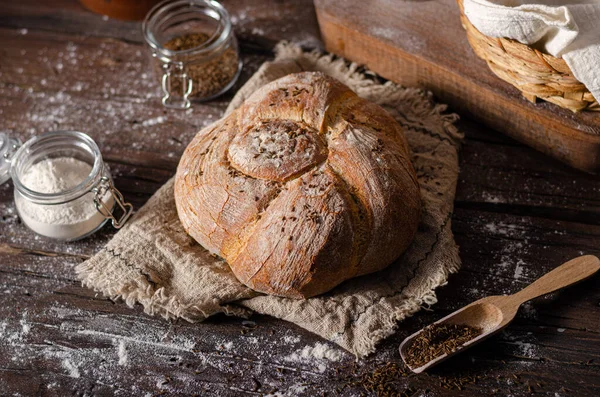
{"x": 512, "y": 178}
{"x": 518, "y": 215}
{"x": 547, "y": 337}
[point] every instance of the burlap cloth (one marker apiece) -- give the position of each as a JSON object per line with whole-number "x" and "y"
{"x": 152, "y": 260}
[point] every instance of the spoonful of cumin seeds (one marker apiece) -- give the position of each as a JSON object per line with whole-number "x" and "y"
{"x": 483, "y": 318}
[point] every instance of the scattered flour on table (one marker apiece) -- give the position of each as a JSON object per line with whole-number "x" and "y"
{"x": 69, "y": 358}
{"x": 15, "y": 338}
{"x": 146, "y": 340}
{"x": 51, "y": 385}
{"x": 512, "y": 262}
{"x": 519, "y": 269}
{"x": 72, "y": 370}
{"x": 108, "y": 106}
{"x": 525, "y": 350}
{"x": 292, "y": 391}
{"x": 122, "y": 353}
{"x": 528, "y": 350}
{"x": 504, "y": 229}
{"x": 25, "y": 327}
{"x": 524, "y": 346}
{"x": 291, "y": 339}
{"x": 154, "y": 121}
{"x": 242, "y": 16}
{"x": 318, "y": 351}
{"x": 104, "y": 363}
{"x": 489, "y": 198}
{"x": 317, "y": 354}
{"x": 224, "y": 346}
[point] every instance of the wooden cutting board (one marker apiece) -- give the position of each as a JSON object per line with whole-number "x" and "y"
{"x": 422, "y": 43}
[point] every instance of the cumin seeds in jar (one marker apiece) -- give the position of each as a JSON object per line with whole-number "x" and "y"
{"x": 208, "y": 78}
{"x": 195, "y": 53}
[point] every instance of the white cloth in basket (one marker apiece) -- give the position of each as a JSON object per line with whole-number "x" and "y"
{"x": 567, "y": 29}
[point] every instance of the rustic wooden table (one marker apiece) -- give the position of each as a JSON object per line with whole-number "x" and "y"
{"x": 518, "y": 214}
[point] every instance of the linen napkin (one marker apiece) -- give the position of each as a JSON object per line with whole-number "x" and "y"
{"x": 564, "y": 29}
{"x": 154, "y": 262}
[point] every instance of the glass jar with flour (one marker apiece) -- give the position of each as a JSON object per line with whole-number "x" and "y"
{"x": 62, "y": 187}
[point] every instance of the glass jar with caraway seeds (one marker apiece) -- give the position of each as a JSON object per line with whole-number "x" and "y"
{"x": 193, "y": 48}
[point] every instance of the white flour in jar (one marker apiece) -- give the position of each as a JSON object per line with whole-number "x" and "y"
{"x": 66, "y": 221}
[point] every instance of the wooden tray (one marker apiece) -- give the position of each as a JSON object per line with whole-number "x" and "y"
{"x": 422, "y": 43}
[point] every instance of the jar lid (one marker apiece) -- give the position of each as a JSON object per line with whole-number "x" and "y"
{"x": 7, "y": 147}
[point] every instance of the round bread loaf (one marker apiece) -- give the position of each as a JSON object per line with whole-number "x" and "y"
{"x": 302, "y": 187}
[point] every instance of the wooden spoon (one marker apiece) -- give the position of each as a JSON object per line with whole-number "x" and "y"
{"x": 493, "y": 313}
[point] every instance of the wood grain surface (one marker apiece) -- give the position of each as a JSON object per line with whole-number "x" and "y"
{"x": 422, "y": 43}
{"x": 518, "y": 215}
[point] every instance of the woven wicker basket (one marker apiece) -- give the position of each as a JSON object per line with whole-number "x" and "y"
{"x": 535, "y": 74}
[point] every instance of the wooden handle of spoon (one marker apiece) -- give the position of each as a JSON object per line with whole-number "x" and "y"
{"x": 566, "y": 274}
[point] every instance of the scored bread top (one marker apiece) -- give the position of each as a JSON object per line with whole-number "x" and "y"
{"x": 302, "y": 187}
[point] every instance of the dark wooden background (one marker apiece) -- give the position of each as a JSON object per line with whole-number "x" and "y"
{"x": 518, "y": 215}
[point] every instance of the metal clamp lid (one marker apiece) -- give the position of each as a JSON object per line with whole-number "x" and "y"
{"x": 8, "y": 147}
{"x": 106, "y": 185}
{"x": 172, "y": 99}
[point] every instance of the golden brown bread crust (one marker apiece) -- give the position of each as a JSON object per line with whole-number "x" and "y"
{"x": 304, "y": 186}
